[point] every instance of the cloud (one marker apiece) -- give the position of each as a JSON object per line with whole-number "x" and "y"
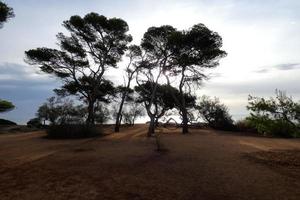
{"x": 26, "y": 88}
{"x": 262, "y": 71}
{"x": 287, "y": 66}
{"x": 283, "y": 66}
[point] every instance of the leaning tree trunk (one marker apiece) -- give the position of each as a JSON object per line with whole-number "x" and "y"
{"x": 118, "y": 118}
{"x": 119, "y": 114}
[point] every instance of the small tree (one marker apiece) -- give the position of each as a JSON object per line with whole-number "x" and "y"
{"x": 5, "y": 13}
{"x": 214, "y": 113}
{"x": 152, "y": 66}
{"x": 94, "y": 45}
{"x": 134, "y": 53}
{"x": 132, "y": 111}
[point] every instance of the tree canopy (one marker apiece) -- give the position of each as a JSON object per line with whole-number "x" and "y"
{"x": 192, "y": 51}
{"x": 95, "y": 43}
{"x": 182, "y": 55}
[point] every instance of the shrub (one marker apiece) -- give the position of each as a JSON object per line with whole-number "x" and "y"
{"x": 6, "y": 122}
{"x": 245, "y": 125}
{"x": 34, "y": 123}
{"x": 73, "y": 131}
{"x": 5, "y": 106}
{"x": 273, "y": 127}
{"x": 279, "y": 116}
{"x": 215, "y": 113}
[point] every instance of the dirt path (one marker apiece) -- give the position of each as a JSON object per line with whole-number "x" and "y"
{"x": 202, "y": 165}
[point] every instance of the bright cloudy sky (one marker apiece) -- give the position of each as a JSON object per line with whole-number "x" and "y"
{"x": 261, "y": 38}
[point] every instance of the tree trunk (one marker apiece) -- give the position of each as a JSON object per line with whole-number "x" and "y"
{"x": 156, "y": 122}
{"x": 91, "y": 117}
{"x": 185, "y": 127}
{"x": 119, "y": 114}
{"x": 118, "y": 118}
{"x": 151, "y": 126}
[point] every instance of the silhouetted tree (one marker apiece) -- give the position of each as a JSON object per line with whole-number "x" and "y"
{"x": 5, "y": 106}
{"x": 151, "y": 68}
{"x": 191, "y": 52}
{"x": 95, "y": 44}
{"x": 5, "y": 13}
{"x": 134, "y": 53}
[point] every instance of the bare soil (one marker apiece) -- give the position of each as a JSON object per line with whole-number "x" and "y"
{"x": 204, "y": 164}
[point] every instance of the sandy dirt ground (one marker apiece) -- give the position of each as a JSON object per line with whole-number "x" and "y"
{"x": 204, "y": 164}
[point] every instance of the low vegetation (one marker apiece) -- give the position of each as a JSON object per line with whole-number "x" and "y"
{"x": 279, "y": 116}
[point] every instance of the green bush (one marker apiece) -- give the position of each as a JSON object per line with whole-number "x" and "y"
{"x": 73, "y": 131}
{"x": 273, "y": 127}
{"x": 279, "y": 116}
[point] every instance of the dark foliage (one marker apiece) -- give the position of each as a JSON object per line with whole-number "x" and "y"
{"x": 6, "y": 122}
{"x": 61, "y": 111}
{"x": 182, "y": 54}
{"x": 245, "y": 125}
{"x": 215, "y": 113}
{"x": 163, "y": 100}
{"x": 95, "y": 44}
{"x": 72, "y": 131}
{"x": 34, "y": 123}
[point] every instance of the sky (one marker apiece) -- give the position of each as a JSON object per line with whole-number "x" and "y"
{"x": 261, "y": 38}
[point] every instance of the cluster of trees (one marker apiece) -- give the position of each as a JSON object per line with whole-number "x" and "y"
{"x": 165, "y": 67}
{"x": 161, "y": 75}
